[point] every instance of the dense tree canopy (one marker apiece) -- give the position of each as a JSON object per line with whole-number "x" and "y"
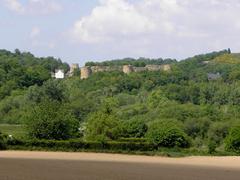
{"x": 113, "y": 105}
{"x": 140, "y": 62}
{"x": 52, "y": 120}
{"x": 21, "y": 70}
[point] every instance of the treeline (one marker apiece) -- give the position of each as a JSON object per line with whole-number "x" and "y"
{"x": 140, "y": 62}
{"x": 179, "y": 108}
{"x": 20, "y": 70}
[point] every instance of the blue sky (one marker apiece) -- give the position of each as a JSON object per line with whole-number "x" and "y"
{"x": 81, "y": 30}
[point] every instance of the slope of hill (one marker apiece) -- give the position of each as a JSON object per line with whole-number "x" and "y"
{"x": 228, "y": 59}
{"x": 21, "y": 70}
{"x": 113, "y": 105}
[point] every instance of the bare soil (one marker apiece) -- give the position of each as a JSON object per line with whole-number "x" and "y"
{"x": 20, "y": 165}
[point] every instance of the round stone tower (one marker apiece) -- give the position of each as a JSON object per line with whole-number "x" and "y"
{"x": 85, "y": 72}
{"x": 73, "y": 67}
{"x": 166, "y": 67}
{"x": 127, "y": 69}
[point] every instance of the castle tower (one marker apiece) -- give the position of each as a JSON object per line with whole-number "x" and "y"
{"x": 166, "y": 67}
{"x": 127, "y": 69}
{"x": 73, "y": 67}
{"x": 85, "y": 72}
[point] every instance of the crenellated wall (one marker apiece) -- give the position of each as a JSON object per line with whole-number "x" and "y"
{"x": 127, "y": 69}
{"x": 96, "y": 69}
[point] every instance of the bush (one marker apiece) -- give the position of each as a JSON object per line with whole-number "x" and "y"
{"x": 157, "y": 98}
{"x": 52, "y": 89}
{"x": 218, "y": 132}
{"x": 53, "y": 121}
{"x": 233, "y": 139}
{"x": 102, "y": 126}
{"x": 132, "y": 140}
{"x": 212, "y": 147}
{"x": 134, "y": 128}
{"x": 197, "y": 127}
{"x": 167, "y": 134}
{"x": 2, "y": 142}
{"x": 77, "y": 145}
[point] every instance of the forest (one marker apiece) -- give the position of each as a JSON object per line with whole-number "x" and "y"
{"x": 188, "y": 107}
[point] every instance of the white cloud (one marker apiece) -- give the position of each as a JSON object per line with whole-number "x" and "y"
{"x": 35, "y": 32}
{"x": 15, "y": 5}
{"x": 112, "y": 18}
{"x": 115, "y": 19}
{"x": 160, "y": 26}
{"x": 43, "y": 7}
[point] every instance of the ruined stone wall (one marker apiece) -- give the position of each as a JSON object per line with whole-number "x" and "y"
{"x": 96, "y": 69}
{"x": 127, "y": 69}
{"x": 166, "y": 67}
{"x": 139, "y": 69}
{"x": 153, "y": 67}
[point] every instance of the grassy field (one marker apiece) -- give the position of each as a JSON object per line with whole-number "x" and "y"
{"x": 17, "y": 131}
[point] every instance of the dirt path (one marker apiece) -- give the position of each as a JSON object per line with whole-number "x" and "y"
{"x": 221, "y": 162}
{"x": 82, "y": 166}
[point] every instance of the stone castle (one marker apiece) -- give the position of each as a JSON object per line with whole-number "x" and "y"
{"x": 87, "y": 71}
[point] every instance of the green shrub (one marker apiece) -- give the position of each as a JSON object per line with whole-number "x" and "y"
{"x": 197, "y": 127}
{"x": 218, "y": 132}
{"x": 167, "y": 134}
{"x": 157, "y": 98}
{"x": 134, "y": 128}
{"x": 232, "y": 141}
{"x": 53, "y": 121}
{"x": 102, "y": 126}
{"x": 77, "y": 145}
{"x": 132, "y": 140}
{"x": 212, "y": 147}
{"x": 2, "y": 142}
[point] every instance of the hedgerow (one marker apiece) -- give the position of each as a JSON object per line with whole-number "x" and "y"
{"x": 2, "y": 142}
{"x": 77, "y": 145}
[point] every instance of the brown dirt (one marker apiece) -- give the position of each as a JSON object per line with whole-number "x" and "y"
{"x": 17, "y": 165}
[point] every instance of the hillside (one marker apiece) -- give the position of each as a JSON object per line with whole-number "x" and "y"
{"x": 114, "y": 105}
{"x": 22, "y": 70}
{"x": 18, "y": 72}
{"x": 228, "y": 59}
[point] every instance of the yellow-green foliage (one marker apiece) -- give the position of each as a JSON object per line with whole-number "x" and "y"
{"x": 228, "y": 59}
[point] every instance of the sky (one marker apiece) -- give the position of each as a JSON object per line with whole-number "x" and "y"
{"x": 94, "y": 30}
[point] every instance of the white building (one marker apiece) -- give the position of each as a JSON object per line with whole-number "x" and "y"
{"x": 59, "y": 74}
